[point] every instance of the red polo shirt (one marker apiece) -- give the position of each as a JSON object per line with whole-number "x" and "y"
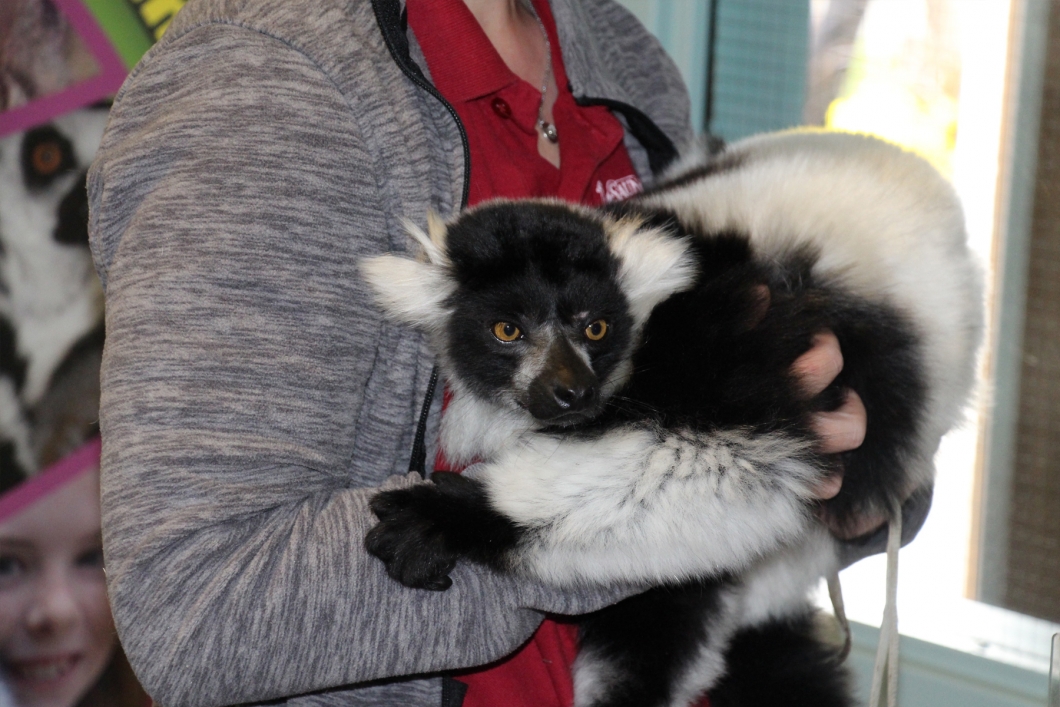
{"x": 499, "y": 111}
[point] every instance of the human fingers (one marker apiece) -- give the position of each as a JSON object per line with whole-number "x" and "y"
{"x": 828, "y": 487}
{"x": 842, "y": 429}
{"x": 819, "y": 366}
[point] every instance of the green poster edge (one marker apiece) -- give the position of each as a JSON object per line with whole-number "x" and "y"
{"x": 123, "y": 28}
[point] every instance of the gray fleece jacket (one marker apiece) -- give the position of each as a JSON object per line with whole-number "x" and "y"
{"x": 253, "y": 396}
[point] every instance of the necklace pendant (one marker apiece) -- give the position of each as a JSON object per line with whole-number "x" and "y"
{"x": 549, "y": 131}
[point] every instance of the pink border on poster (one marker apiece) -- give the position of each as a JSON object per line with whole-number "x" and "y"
{"x": 58, "y": 474}
{"x": 106, "y": 83}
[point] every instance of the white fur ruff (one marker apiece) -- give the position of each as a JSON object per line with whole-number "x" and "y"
{"x": 642, "y": 505}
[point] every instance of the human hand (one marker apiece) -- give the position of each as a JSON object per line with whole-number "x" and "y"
{"x": 839, "y": 430}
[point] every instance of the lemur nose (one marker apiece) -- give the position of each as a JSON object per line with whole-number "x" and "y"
{"x": 565, "y": 389}
{"x": 573, "y": 397}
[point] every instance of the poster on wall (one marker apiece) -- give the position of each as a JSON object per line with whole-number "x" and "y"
{"x": 61, "y": 62}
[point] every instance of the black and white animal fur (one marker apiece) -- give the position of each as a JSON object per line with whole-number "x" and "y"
{"x": 50, "y": 296}
{"x": 676, "y": 453}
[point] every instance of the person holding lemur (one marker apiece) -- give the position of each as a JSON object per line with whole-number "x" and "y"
{"x": 255, "y": 399}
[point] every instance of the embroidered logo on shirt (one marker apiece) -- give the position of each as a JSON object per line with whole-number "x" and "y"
{"x": 618, "y": 189}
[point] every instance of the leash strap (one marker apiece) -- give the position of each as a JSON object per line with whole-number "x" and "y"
{"x": 887, "y": 649}
{"x": 835, "y": 593}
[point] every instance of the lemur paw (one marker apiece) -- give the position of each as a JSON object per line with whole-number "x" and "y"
{"x": 410, "y": 540}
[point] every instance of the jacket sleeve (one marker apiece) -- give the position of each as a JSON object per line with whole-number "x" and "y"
{"x": 230, "y": 202}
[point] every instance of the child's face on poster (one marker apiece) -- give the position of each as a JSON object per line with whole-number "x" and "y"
{"x": 56, "y": 631}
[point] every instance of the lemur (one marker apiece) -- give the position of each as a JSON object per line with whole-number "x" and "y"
{"x": 623, "y": 377}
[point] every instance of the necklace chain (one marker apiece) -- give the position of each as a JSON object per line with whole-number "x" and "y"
{"x": 546, "y": 128}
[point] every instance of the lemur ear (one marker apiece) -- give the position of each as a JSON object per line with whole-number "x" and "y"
{"x": 653, "y": 265}
{"x": 432, "y": 242}
{"x": 412, "y": 291}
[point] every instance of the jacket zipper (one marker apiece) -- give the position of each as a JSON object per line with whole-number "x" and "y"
{"x": 394, "y": 26}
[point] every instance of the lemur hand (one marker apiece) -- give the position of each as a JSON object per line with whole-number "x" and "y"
{"x": 423, "y": 530}
{"x": 408, "y": 538}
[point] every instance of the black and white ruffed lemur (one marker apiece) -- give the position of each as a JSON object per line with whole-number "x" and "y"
{"x": 624, "y": 377}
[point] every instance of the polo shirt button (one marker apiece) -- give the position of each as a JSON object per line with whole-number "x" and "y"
{"x": 501, "y": 108}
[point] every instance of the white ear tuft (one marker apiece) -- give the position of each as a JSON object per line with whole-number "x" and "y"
{"x": 654, "y": 265}
{"x": 437, "y": 229}
{"x": 434, "y": 244}
{"x": 412, "y": 291}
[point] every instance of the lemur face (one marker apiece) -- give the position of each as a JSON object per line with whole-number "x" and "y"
{"x": 534, "y": 307}
{"x": 538, "y": 317}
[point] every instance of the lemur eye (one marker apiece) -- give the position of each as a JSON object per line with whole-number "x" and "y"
{"x": 597, "y": 330}
{"x": 46, "y": 155}
{"x": 47, "y": 158}
{"x": 507, "y": 332}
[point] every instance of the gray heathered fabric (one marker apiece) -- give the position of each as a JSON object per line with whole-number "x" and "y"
{"x": 253, "y": 398}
